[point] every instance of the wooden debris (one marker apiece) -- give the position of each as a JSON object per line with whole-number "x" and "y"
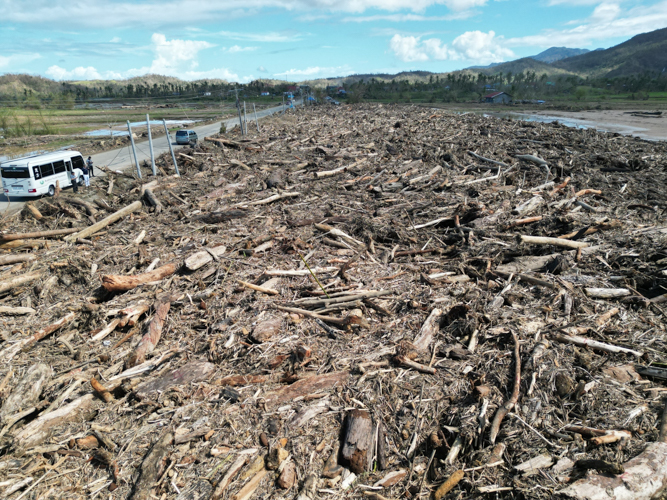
{"x": 133, "y": 207}
{"x": 151, "y": 468}
{"x": 39, "y": 430}
{"x": 513, "y": 399}
{"x": 310, "y": 385}
{"x": 114, "y": 283}
{"x": 152, "y": 337}
{"x": 358, "y": 441}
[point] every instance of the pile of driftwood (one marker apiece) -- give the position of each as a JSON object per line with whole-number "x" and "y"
{"x": 364, "y": 301}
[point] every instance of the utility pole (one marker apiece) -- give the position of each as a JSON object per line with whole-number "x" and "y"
{"x": 134, "y": 149}
{"x": 245, "y": 118}
{"x": 150, "y": 144}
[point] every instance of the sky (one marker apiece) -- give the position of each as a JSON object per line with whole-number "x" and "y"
{"x": 295, "y": 40}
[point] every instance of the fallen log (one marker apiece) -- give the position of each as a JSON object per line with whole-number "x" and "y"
{"x": 268, "y": 291}
{"x": 607, "y": 293}
{"x": 116, "y": 283}
{"x": 15, "y": 259}
{"x": 358, "y": 441}
{"x": 16, "y": 311}
{"x": 152, "y": 337}
{"x": 88, "y": 207}
{"x": 133, "y": 207}
{"x": 223, "y": 142}
{"x": 271, "y": 199}
{"x": 303, "y": 387}
{"x": 594, "y": 344}
{"x": 153, "y": 201}
{"x": 19, "y": 280}
{"x": 152, "y": 468}
{"x": 39, "y": 430}
{"x": 37, "y": 234}
{"x": 543, "y": 240}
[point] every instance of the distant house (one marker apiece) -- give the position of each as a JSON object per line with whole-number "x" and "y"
{"x": 266, "y": 93}
{"x": 498, "y": 98}
{"x": 341, "y": 91}
{"x": 207, "y": 94}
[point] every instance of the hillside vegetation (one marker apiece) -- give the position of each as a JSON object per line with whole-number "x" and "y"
{"x": 635, "y": 69}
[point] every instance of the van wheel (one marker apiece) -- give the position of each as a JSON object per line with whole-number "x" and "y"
{"x": 80, "y": 181}
{"x": 52, "y": 191}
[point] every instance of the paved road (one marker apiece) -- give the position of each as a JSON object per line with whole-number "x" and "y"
{"x": 122, "y": 158}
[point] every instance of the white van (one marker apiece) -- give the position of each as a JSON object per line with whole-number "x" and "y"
{"x": 37, "y": 175}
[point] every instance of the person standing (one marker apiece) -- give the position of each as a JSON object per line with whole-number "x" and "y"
{"x": 73, "y": 179}
{"x": 86, "y": 177}
{"x": 89, "y": 164}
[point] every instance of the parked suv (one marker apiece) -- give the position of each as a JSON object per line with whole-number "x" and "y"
{"x": 186, "y": 137}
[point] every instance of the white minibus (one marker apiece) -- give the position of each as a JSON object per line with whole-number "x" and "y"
{"x": 37, "y": 175}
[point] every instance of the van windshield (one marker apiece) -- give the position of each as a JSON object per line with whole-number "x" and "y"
{"x": 13, "y": 172}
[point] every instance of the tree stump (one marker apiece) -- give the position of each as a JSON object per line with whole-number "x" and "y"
{"x": 358, "y": 441}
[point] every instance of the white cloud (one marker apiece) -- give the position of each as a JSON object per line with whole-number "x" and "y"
{"x": 408, "y": 48}
{"x": 103, "y": 13}
{"x": 316, "y": 71}
{"x": 235, "y": 49}
{"x": 481, "y": 47}
{"x": 16, "y": 59}
{"x": 115, "y": 40}
{"x": 175, "y": 57}
{"x": 476, "y": 46}
{"x": 271, "y": 37}
{"x": 607, "y": 21}
{"x": 401, "y": 18}
{"x": 262, "y": 69}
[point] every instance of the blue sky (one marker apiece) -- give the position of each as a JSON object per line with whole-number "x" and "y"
{"x": 241, "y": 40}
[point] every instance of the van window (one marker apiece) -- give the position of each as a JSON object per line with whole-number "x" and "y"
{"x": 47, "y": 169}
{"x": 12, "y": 172}
{"x": 77, "y": 161}
{"x": 59, "y": 166}
{"x": 36, "y": 172}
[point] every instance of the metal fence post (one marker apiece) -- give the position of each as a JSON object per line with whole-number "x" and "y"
{"x": 256, "y": 120}
{"x": 134, "y": 149}
{"x": 171, "y": 149}
{"x": 150, "y": 144}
